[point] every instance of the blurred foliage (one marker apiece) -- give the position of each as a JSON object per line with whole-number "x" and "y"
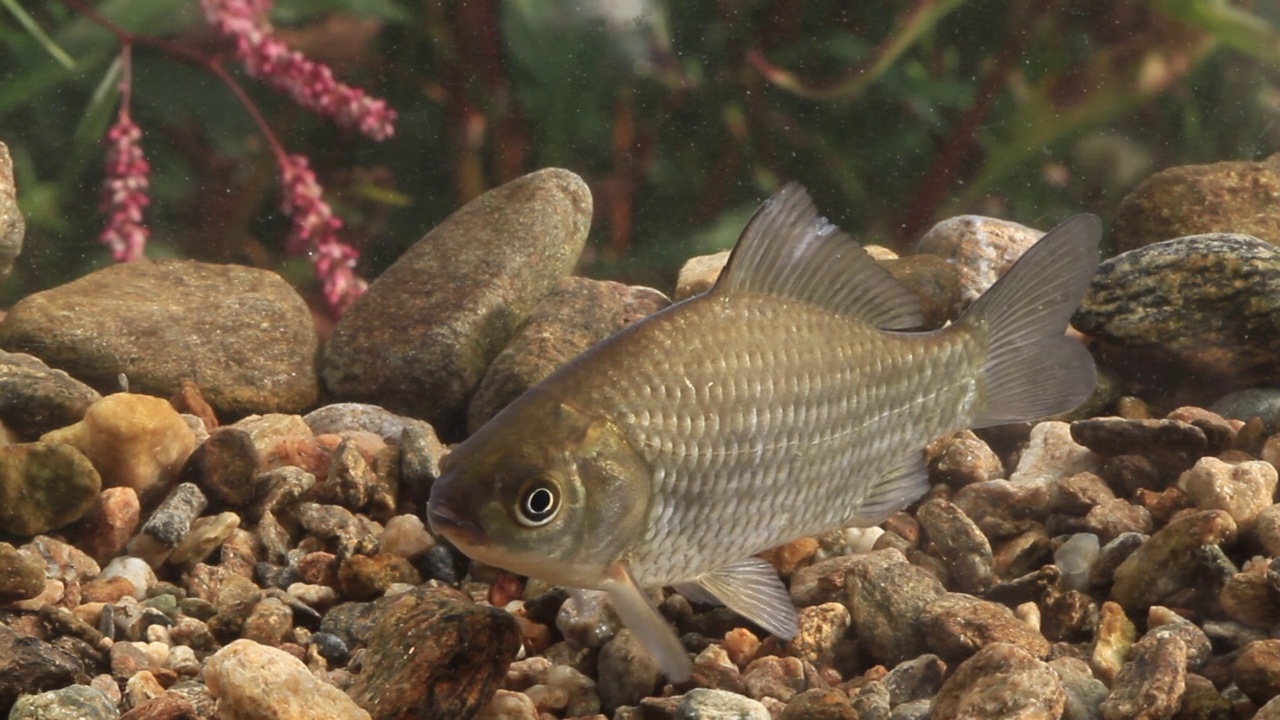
{"x": 682, "y": 115}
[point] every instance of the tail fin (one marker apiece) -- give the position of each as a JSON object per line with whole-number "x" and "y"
{"x": 1032, "y": 368}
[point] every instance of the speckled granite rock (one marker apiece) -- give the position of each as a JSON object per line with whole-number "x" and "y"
{"x": 1204, "y": 308}
{"x": 12, "y": 225}
{"x": 432, "y": 653}
{"x": 577, "y": 314}
{"x": 980, "y": 248}
{"x": 886, "y": 596}
{"x": 956, "y": 626}
{"x": 35, "y": 398}
{"x": 255, "y": 681}
{"x": 244, "y": 333}
{"x": 421, "y": 338}
{"x": 1194, "y": 199}
{"x": 698, "y": 274}
{"x": 1168, "y": 563}
{"x": 1001, "y": 680}
{"x": 77, "y": 702}
{"x": 44, "y": 486}
{"x": 1150, "y": 685}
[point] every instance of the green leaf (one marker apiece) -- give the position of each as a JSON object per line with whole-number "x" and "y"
{"x": 33, "y": 28}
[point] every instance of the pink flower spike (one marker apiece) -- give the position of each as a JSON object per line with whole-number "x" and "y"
{"x": 315, "y": 234}
{"x": 124, "y": 193}
{"x": 308, "y": 83}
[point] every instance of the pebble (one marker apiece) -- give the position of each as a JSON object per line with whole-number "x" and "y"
{"x": 268, "y": 623}
{"x": 1003, "y": 509}
{"x": 1167, "y": 563}
{"x": 30, "y": 665}
{"x": 135, "y": 441}
{"x": 206, "y": 535}
{"x": 981, "y": 249}
{"x": 704, "y": 704}
{"x": 886, "y": 596}
{"x": 251, "y": 680}
{"x": 12, "y": 224}
{"x": 822, "y": 581}
{"x": 1266, "y": 530}
{"x": 780, "y": 678}
{"x": 165, "y": 707}
{"x": 1080, "y": 493}
{"x": 819, "y": 704}
{"x": 44, "y": 486}
{"x": 1270, "y": 711}
{"x": 406, "y": 536}
{"x": 1190, "y": 199}
{"x": 21, "y": 574}
{"x": 627, "y": 672}
{"x": 169, "y": 524}
{"x": 1150, "y": 685}
{"x": 1084, "y": 691}
{"x": 1257, "y": 670}
{"x": 350, "y": 534}
{"x": 1112, "y": 519}
{"x": 225, "y": 466}
{"x": 915, "y": 679}
{"x": 1001, "y": 680}
{"x": 1242, "y": 489}
{"x": 1262, "y": 403}
{"x": 586, "y": 619}
{"x": 871, "y": 701}
{"x": 1163, "y": 621}
{"x": 433, "y": 648}
{"x": 284, "y": 440}
{"x": 135, "y": 570}
{"x": 77, "y": 702}
{"x": 1113, "y": 638}
{"x": 421, "y": 338}
{"x": 965, "y": 459}
{"x": 366, "y": 577}
{"x": 956, "y": 626}
{"x": 166, "y": 321}
{"x": 934, "y": 283}
{"x": 575, "y": 315}
{"x": 698, "y": 274}
{"x": 1171, "y": 445}
{"x": 35, "y": 398}
{"x": 508, "y": 705}
{"x": 1076, "y": 557}
{"x": 960, "y": 544}
{"x": 105, "y": 529}
{"x": 346, "y": 417}
{"x": 822, "y": 632}
{"x": 1197, "y": 310}
{"x": 1252, "y": 596}
{"x": 1053, "y": 452}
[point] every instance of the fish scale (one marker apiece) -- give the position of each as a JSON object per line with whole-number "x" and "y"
{"x": 814, "y": 461}
{"x": 786, "y": 401}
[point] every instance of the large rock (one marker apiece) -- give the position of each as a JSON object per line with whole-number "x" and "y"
{"x": 980, "y": 248}
{"x": 1194, "y": 199}
{"x": 1205, "y": 307}
{"x": 419, "y": 340}
{"x": 255, "y": 681}
{"x": 579, "y": 313}
{"x": 35, "y": 398}
{"x": 12, "y": 225}
{"x": 244, "y": 334}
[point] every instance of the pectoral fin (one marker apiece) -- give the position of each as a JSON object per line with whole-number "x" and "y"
{"x": 897, "y": 488}
{"x": 647, "y": 623}
{"x": 751, "y": 588}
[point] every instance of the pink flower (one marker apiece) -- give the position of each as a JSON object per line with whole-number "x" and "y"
{"x": 315, "y": 234}
{"x": 125, "y": 191}
{"x": 308, "y": 83}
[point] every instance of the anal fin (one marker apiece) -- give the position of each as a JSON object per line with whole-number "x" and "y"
{"x": 751, "y": 588}
{"x": 655, "y": 633}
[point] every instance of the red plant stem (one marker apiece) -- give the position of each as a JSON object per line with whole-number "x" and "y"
{"x": 212, "y": 64}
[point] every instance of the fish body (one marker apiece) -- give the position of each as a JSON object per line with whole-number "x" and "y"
{"x": 787, "y": 401}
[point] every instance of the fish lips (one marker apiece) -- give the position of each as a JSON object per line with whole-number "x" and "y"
{"x": 460, "y": 531}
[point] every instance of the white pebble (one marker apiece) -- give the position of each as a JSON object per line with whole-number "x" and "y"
{"x": 133, "y": 569}
{"x": 1076, "y": 557}
{"x": 406, "y": 536}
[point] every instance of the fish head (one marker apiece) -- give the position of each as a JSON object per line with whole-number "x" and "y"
{"x": 545, "y": 489}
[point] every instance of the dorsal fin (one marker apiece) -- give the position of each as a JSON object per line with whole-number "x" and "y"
{"x": 788, "y": 250}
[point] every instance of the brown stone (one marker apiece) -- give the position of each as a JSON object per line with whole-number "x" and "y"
{"x": 434, "y": 654}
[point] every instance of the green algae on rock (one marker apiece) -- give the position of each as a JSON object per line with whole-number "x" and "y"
{"x": 419, "y": 340}
{"x": 243, "y": 334}
{"x": 44, "y": 486}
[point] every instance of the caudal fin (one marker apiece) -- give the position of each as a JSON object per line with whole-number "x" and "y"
{"x": 1032, "y": 368}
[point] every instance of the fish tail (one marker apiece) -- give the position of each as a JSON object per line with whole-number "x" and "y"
{"x": 1032, "y": 369}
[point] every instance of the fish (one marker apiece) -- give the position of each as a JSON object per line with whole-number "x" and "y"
{"x": 792, "y": 398}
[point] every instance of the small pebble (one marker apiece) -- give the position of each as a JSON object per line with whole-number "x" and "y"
{"x": 1076, "y": 557}
{"x": 1150, "y": 685}
{"x": 169, "y": 524}
{"x": 406, "y": 536}
{"x": 627, "y": 672}
{"x": 1243, "y": 489}
{"x": 252, "y": 680}
{"x": 1000, "y": 680}
{"x": 703, "y": 704}
{"x": 77, "y": 702}
{"x": 956, "y": 626}
{"x": 1257, "y": 670}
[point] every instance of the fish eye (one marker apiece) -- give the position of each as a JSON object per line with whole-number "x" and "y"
{"x": 539, "y": 502}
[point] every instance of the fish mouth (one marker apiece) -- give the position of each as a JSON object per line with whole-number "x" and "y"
{"x": 459, "y": 531}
